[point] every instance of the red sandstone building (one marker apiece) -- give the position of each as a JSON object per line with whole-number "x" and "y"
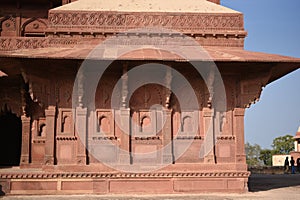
{"x": 67, "y": 135}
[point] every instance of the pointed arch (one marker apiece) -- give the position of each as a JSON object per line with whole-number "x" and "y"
{"x": 146, "y": 124}
{"x": 187, "y": 124}
{"x": 66, "y": 126}
{"x": 42, "y": 130}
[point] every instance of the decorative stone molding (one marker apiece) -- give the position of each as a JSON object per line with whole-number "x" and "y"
{"x": 38, "y": 141}
{"x": 147, "y": 138}
{"x": 226, "y": 137}
{"x": 243, "y": 174}
{"x": 22, "y": 43}
{"x": 62, "y": 41}
{"x": 62, "y": 19}
{"x": 198, "y": 137}
{"x": 105, "y": 138}
{"x": 9, "y": 44}
{"x": 64, "y": 138}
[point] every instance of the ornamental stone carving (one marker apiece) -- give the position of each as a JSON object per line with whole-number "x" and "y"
{"x": 107, "y": 20}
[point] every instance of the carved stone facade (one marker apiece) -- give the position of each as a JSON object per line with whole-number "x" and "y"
{"x": 111, "y": 136}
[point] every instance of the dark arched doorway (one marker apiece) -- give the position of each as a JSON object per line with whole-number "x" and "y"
{"x": 10, "y": 138}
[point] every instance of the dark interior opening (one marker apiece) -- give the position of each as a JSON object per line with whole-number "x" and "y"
{"x": 10, "y": 139}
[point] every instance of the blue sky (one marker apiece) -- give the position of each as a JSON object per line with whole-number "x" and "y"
{"x": 273, "y": 27}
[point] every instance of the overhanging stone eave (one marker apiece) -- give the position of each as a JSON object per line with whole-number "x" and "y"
{"x": 222, "y": 55}
{"x": 282, "y": 69}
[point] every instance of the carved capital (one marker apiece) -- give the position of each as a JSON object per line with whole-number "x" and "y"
{"x": 239, "y": 112}
{"x": 207, "y": 112}
{"x": 50, "y": 112}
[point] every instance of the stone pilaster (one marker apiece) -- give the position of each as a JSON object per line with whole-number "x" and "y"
{"x": 209, "y": 140}
{"x": 123, "y": 119}
{"x": 167, "y": 138}
{"x": 25, "y": 148}
{"x": 81, "y": 130}
{"x": 238, "y": 128}
{"x": 50, "y": 136}
{"x": 124, "y": 122}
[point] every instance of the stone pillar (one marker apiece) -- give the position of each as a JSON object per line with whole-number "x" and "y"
{"x": 209, "y": 140}
{"x": 50, "y": 136}
{"x": 123, "y": 119}
{"x": 238, "y": 128}
{"x": 167, "y": 138}
{"x": 81, "y": 131}
{"x": 124, "y": 122}
{"x": 25, "y": 148}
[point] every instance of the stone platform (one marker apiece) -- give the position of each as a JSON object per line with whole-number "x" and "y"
{"x": 261, "y": 186}
{"x": 28, "y": 181}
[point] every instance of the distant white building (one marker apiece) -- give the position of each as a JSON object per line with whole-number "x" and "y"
{"x": 296, "y": 152}
{"x": 278, "y": 160}
{"x": 297, "y": 141}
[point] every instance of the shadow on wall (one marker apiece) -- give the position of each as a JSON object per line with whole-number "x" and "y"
{"x": 1, "y": 192}
{"x": 10, "y": 138}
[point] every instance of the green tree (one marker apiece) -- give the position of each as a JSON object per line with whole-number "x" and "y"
{"x": 283, "y": 145}
{"x": 266, "y": 156}
{"x": 252, "y": 154}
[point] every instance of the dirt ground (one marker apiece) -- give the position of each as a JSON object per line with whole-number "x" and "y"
{"x": 283, "y": 186}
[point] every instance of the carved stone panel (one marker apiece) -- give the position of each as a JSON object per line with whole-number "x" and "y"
{"x": 7, "y": 26}
{"x": 65, "y": 122}
{"x": 105, "y": 123}
{"x": 34, "y": 27}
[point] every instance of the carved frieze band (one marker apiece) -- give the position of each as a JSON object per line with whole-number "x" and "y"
{"x": 123, "y": 175}
{"x": 105, "y": 138}
{"x": 64, "y": 138}
{"x": 39, "y": 141}
{"x": 19, "y": 43}
{"x": 147, "y": 138}
{"x": 226, "y": 137}
{"x": 125, "y": 21}
{"x": 9, "y": 44}
{"x": 198, "y": 137}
